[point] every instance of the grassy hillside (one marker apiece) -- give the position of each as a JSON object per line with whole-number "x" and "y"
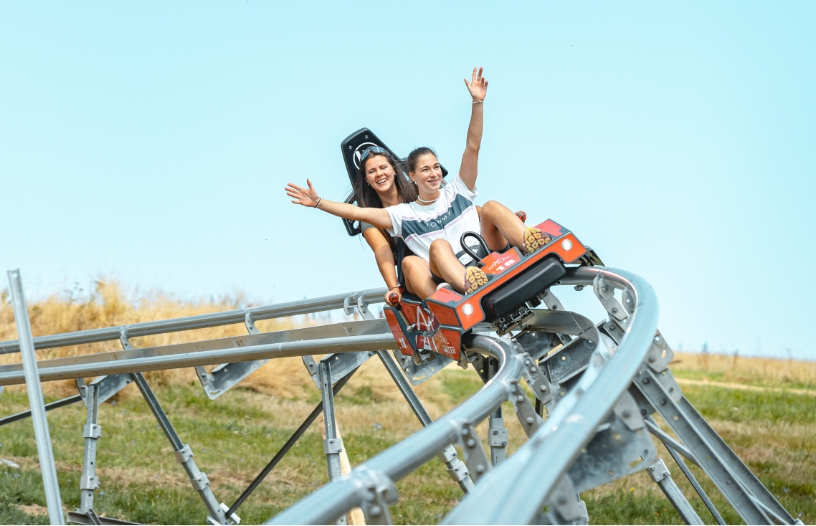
{"x": 762, "y": 408}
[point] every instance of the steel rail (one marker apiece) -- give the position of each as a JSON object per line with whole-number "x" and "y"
{"x": 201, "y": 321}
{"x": 516, "y": 491}
{"x": 336, "y": 498}
{"x": 122, "y": 364}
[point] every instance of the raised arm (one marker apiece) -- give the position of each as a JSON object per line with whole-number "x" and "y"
{"x": 308, "y": 197}
{"x": 470, "y": 159}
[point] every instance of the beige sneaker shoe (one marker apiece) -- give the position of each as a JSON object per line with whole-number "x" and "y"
{"x": 474, "y": 278}
{"x": 534, "y": 239}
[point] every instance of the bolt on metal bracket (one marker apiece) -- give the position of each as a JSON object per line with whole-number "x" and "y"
{"x": 541, "y": 387}
{"x": 376, "y": 493}
{"x": 550, "y": 300}
{"x": 475, "y": 458}
{"x": 606, "y": 294}
{"x": 530, "y": 420}
{"x": 627, "y": 410}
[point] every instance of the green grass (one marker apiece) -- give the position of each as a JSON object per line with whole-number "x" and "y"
{"x": 234, "y": 436}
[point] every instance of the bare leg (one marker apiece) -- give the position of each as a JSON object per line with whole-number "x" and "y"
{"x": 446, "y": 265}
{"x": 500, "y": 226}
{"x": 418, "y": 279}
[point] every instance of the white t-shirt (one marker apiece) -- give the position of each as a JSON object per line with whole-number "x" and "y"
{"x": 448, "y": 218}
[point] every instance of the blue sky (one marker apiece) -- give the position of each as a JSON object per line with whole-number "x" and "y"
{"x": 150, "y": 142}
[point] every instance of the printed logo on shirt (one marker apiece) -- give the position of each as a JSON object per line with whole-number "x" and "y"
{"x": 419, "y": 227}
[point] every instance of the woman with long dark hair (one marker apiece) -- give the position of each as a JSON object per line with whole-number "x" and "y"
{"x": 433, "y": 224}
{"x": 381, "y": 182}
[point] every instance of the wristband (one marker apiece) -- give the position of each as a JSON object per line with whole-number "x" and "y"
{"x": 317, "y": 205}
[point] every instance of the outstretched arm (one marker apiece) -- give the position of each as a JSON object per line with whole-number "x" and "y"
{"x": 308, "y": 197}
{"x": 470, "y": 159}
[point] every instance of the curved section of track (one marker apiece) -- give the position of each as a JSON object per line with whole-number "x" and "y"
{"x": 540, "y": 464}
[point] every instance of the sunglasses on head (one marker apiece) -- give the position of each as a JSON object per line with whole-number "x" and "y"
{"x": 372, "y": 151}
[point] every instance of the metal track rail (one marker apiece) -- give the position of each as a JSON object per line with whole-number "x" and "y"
{"x": 541, "y": 463}
{"x": 571, "y": 426}
{"x": 370, "y": 335}
{"x": 215, "y": 319}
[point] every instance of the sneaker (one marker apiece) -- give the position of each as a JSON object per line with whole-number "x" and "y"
{"x": 535, "y": 239}
{"x": 474, "y": 278}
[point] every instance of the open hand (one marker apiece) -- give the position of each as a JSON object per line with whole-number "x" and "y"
{"x": 477, "y": 86}
{"x": 302, "y": 196}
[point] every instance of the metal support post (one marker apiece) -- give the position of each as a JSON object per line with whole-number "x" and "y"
{"x": 332, "y": 445}
{"x": 659, "y": 473}
{"x": 183, "y": 454}
{"x": 92, "y": 431}
{"x": 456, "y": 468}
{"x": 496, "y": 432}
{"x": 35, "y": 400}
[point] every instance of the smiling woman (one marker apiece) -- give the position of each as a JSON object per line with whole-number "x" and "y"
{"x": 434, "y": 223}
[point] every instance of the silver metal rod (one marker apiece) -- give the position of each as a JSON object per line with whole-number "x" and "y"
{"x": 48, "y": 407}
{"x": 214, "y": 319}
{"x": 144, "y": 360}
{"x": 539, "y": 465}
{"x": 668, "y": 441}
{"x": 35, "y": 399}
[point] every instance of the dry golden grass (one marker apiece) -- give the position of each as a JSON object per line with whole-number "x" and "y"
{"x": 739, "y": 369}
{"x": 109, "y": 306}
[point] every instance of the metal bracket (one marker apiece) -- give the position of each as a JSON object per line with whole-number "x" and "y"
{"x": 83, "y": 389}
{"x": 456, "y": 469}
{"x": 92, "y": 431}
{"x": 88, "y": 482}
{"x": 497, "y": 437}
{"x": 200, "y": 481}
{"x": 530, "y": 420}
{"x": 349, "y": 305}
{"x": 249, "y": 322}
{"x": 232, "y": 519}
{"x": 627, "y": 410}
{"x": 184, "y": 454}
{"x": 658, "y": 471}
{"x": 606, "y": 294}
{"x": 376, "y": 493}
{"x": 660, "y": 354}
{"x": 332, "y": 446}
{"x": 125, "y": 339}
{"x": 475, "y": 457}
{"x": 550, "y": 300}
{"x": 417, "y": 374}
{"x": 567, "y": 503}
{"x": 614, "y": 452}
{"x": 541, "y": 387}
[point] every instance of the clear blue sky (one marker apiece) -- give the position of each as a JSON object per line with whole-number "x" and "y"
{"x": 151, "y": 142}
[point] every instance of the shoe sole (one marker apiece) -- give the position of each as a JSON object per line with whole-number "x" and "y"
{"x": 535, "y": 239}
{"x": 474, "y": 278}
